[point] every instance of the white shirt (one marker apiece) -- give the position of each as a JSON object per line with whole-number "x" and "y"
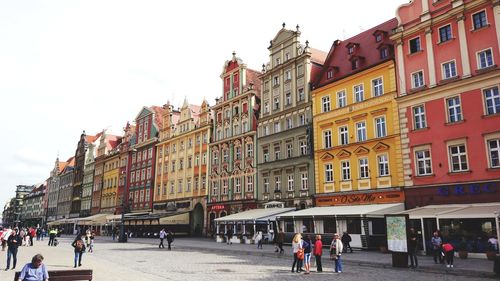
{"x": 162, "y": 234}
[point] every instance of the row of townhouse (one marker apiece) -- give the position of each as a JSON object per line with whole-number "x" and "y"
{"x": 404, "y": 113}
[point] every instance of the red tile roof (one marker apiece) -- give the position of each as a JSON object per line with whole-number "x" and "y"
{"x": 318, "y": 56}
{"x": 366, "y": 51}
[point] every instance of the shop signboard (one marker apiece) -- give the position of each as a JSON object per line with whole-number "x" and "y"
{"x": 397, "y": 238}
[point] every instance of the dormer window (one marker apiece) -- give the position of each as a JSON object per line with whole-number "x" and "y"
{"x": 378, "y": 37}
{"x": 354, "y": 64}
{"x": 384, "y": 53}
{"x": 329, "y": 74}
{"x": 350, "y": 50}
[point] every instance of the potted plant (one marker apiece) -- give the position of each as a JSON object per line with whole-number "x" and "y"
{"x": 462, "y": 249}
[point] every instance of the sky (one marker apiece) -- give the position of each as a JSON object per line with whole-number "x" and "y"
{"x": 68, "y": 66}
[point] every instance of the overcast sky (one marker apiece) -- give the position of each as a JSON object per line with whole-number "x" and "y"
{"x": 68, "y": 66}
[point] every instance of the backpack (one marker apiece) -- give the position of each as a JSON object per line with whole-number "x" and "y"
{"x": 79, "y": 245}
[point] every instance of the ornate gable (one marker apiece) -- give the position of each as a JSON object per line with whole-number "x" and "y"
{"x": 282, "y": 36}
{"x": 380, "y": 146}
{"x": 361, "y": 150}
{"x": 326, "y": 156}
{"x": 343, "y": 154}
{"x": 145, "y": 111}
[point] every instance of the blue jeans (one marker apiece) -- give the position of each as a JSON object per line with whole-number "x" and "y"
{"x": 338, "y": 264}
{"x": 11, "y": 253}
{"x": 78, "y": 258}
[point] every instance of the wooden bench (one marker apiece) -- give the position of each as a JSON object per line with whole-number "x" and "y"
{"x": 66, "y": 275}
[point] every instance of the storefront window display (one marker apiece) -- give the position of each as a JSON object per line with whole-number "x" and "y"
{"x": 473, "y": 234}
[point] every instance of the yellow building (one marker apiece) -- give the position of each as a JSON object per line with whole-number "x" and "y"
{"x": 181, "y": 168}
{"x": 356, "y": 127}
{"x": 111, "y": 175}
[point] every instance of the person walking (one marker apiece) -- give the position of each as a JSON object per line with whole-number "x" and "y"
{"x": 35, "y": 270}
{"x": 258, "y": 239}
{"x": 437, "y": 244}
{"x": 229, "y": 235}
{"x": 318, "y": 252}
{"x": 336, "y": 248}
{"x": 79, "y": 247}
{"x": 448, "y": 252}
{"x": 170, "y": 239}
{"x": 162, "y": 236}
{"x": 279, "y": 241}
{"x": 13, "y": 244}
{"x": 32, "y": 234}
{"x": 296, "y": 247}
{"x": 346, "y": 240}
{"x": 307, "y": 245}
{"x": 5, "y": 236}
{"x": 52, "y": 236}
{"x": 412, "y": 248}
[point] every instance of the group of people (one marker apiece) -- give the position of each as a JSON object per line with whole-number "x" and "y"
{"x": 27, "y": 235}
{"x": 303, "y": 248}
{"x": 166, "y": 235}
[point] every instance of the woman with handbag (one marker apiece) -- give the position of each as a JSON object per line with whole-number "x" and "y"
{"x": 335, "y": 251}
{"x": 298, "y": 252}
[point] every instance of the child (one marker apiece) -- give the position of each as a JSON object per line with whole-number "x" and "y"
{"x": 448, "y": 252}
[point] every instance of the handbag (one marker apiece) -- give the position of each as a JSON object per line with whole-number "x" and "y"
{"x": 300, "y": 254}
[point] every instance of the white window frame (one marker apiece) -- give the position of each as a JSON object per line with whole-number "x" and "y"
{"x": 290, "y": 184}
{"x": 327, "y": 139}
{"x": 455, "y": 110}
{"x": 361, "y": 134}
{"x": 495, "y": 100}
{"x": 345, "y": 170}
{"x": 303, "y": 181}
{"x": 277, "y": 183}
{"x": 439, "y": 33}
{"x": 422, "y": 160}
{"x": 364, "y": 170}
{"x": 448, "y": 73}
{"x": 328, "y": 172}
{"x": 343, "y": 135}
{"x": 303, "y": 147}
{"x": 358, "y": 92}
{"x": 383, "y": 165}
{"x": 341, "y": 99}
{"x": 325, "y": 104}
{"x": 419, "y": 45}
{"x": 377, "y": 88}
{"x": 249, "y": 184}
{"x": 237, "y": 185}
{"x": 266, "y": 185}
{"x": 380, "y": 127}
{"x": 472, "y": 19}
{"x": 421, "y": 80}
{"x": 462, "y": 155}
{"x": 496, "y": 150}
{"x": 422, "y": 122}
{"x": 478, "y": 58}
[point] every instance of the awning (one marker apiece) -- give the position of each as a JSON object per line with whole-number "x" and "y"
{"x": 98, "y": 219}
{"x": 378, "y": 210}
{"x": 255, "y": 215}
{"x": 455, "y": 211}
{"x": 113, "y": 218}
{"x": 176, "y": 219}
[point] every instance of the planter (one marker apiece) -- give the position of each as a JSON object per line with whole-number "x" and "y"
{"x": 463, "y": 254}
{"x": 491, "y": 255}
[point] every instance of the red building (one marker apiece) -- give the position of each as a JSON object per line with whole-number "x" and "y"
{"x": 449, "y": 105}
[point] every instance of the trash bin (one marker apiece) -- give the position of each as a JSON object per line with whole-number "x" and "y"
{"x": 496, "y": 265}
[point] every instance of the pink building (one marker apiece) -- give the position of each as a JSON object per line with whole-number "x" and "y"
{"x": 449, "y": 104}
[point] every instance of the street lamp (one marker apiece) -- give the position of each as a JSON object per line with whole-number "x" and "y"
{"x": 123, "y": 238}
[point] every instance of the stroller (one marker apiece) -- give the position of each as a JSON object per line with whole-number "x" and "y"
{"x": 56, "y": 242}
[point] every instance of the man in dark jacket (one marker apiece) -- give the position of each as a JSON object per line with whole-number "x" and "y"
{"x": 412, "y": 248}
{"x": 346, "y": 240}
{"x": 170, "y": 239}
{"x": 13, "y": 244}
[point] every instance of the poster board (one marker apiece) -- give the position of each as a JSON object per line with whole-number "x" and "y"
{"x": 397, "y": 232}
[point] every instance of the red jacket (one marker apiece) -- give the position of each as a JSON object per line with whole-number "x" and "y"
{"x": 318, "y": 248}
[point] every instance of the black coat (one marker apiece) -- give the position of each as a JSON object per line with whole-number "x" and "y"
{"x": 14, "y": 245}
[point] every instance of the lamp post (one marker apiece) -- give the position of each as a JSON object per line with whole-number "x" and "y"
{"x": 123, "y": 238}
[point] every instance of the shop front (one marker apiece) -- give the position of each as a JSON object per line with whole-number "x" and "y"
{"x": 465, "y": 214}
{"x": 215, "y": 211}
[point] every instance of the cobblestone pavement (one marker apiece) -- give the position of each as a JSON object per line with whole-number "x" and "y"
{"x": 144, "y": 261}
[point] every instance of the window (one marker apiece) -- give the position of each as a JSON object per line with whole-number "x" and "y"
{"x": 179, "y": 186}
{"x": 363, "y": 168}
{"x": 289, "y": 150}
{"x": 288, "y": 75}
{"x": 479, "y": 20}
{"x": 300, "y": 70}
{"x": 380, "y": 128}
{"x": 383, "y": 165}
{"x": 203, "y": 182}
{"x": 494, "y": 153}
{"x": 278, "y": 61}
{"x": 172, "y": 187}
{"x": 237, "y": 185}
{"x": 329, "y": 74}
{"x": 276, "y": 80}
{"x": 250, "y": 184}
{"x": 181, "y": 164}
{"x": 350, "y": 50}
{"x": 225, "y": 154}
{"x": 445, "y": 33}
{"x": 288, "y": 99}
{"x": 449, "y": 70}
{"x": 276, "y": 104}
{"x": 454, "y": 109}
{"x": 188, "y": 185}
{"x": 458, "y": 158}
{"x": 417, "y": 79}
{"x": 224, "y": 187}
{"x": 384, "y": 53}
{"x": 197, "y": 160}
{"x": 341, "y": 99}
{"x": 415, "y": 45}
{"x": 196, "y": 183}
{"x": 277, "y": 151}
{"x": 358, "y": 93}
{"x": 300, "y": 94}
{"x": 265, "y": 130}
{"x": 289, "y": 123}
{"x": 327, "y": 139}
{"x": 361, "y": 131}
{"x": 277, "y": 127}
{"x": 277, "y": 183}
{"x": 343, "y": 135}
{"x": 419, "y": 117}
{"x": 378, "y": 37}
{"x": 303, "y": 181}
{"x": 303, "y": 147}
{"x": 237, "y": 153}
{"x": 492, "y": 100}
{"x": 345, "y": 170}
{"x": 302, "y": 119}
{"x": 266, "y": 185}
{"x": 215, "y": 188}
{"x": 290, "y": 183}
{"x": 266, "y": 107}
{"x": 328, "y": 172}
{"x": 215, "y": 157}
{"x": 354, "y": 64}
{"x": 249, "y": 149}
{"x": 377, "y": 87}
{"x": 423, "y": 159}
{"x": 204, "y": 158}
{"x": 485, "y": 59}
{"x": 266, "y": 154}
{"x": 325, "y": 104}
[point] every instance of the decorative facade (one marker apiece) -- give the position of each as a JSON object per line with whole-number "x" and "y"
{"x": 65, "y": 192}
{"x": 285, "y": 162}
{"x": 53, "y": 189}
{"x": 110, "y": 180}
{"x": 357, "y": 143}
{"x": 33, "y": 212}
{"x": 182, "y": 164}
{"x": 233, "y": 162}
